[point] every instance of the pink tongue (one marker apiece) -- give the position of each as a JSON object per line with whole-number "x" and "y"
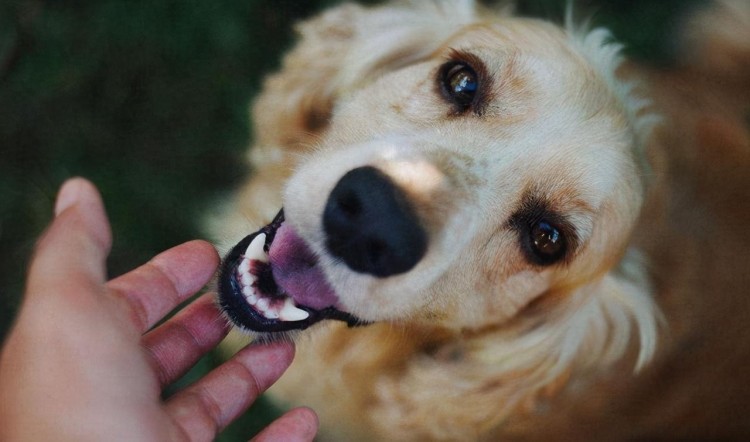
{"x": 295, "y": 270}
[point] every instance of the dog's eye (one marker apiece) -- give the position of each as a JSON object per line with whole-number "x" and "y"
{"x": 545, "y": 235}
{"x": 546, "y": 242}
{"x": 459, "y": 84}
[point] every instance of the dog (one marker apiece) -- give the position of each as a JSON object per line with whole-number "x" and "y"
{"x": 492, "y": 226}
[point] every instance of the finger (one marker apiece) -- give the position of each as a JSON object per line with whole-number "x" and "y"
{"x": 176, "y": 345}
{"x": 298, "y": 425}
{"x": 70, "y": 257}
{"x": 158, "y": 286}
{"x": 205, "y": 408}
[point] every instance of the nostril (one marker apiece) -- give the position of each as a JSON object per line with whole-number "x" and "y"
{"x": 350, "y": 205}
{"x": 371, "y": 226}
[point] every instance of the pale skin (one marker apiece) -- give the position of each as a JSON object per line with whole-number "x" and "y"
{"x": 83, "y": 361}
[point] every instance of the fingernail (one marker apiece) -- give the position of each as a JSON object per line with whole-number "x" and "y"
{"x": 68, "y": 195}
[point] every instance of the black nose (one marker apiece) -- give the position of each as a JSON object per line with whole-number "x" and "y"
{"x": 370, "y": 225}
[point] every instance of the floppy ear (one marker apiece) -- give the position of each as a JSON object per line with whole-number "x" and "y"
{"x": 507, "y": 370}
{"x": 340, "y": 50}
{"x": 611, "y": 315}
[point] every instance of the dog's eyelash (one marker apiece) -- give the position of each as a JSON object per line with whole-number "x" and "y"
{"x": 475, "y": 65}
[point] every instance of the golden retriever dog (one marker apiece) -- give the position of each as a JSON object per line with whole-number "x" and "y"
{"x": 494, "y": 227}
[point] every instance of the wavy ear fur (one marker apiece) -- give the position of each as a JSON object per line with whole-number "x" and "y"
{"x": 342, "y": 49}
{"x": 515, "y": 368}
{"x": 590, "y": 327}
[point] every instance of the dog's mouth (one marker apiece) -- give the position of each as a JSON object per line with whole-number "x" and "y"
{"x": 270, "y": 282}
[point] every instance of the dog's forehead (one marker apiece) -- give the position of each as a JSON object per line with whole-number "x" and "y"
{"x": 539, "y": 74}
{"x": 513, "y": 32}
{"x": 523, "y": 44}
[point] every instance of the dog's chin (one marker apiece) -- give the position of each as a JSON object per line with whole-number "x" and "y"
{"x": 270, "y": 283}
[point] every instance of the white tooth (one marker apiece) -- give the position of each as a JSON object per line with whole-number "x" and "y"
{"x": 248, "y": 279}
{"x": 271, "y": 314}
{"x": 290, "y": 312}
{"x": 263, "y": 304}
{"x": 250, "y": 295}
{"x": 255, "y": 249}
{"x": 244, "y": 267}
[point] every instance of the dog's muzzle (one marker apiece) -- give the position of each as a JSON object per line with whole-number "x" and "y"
{"x": 271, "y": 281}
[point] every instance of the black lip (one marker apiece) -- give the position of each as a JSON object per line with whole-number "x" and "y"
{"x": 233, "y": 302}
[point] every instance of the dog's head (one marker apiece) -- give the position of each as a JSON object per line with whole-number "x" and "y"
{"x": 459, "y": 178}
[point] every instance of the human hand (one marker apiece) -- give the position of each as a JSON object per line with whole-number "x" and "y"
{"x": 81, "y": 364}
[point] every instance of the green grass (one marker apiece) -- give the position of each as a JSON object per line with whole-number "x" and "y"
{"x": 149, "y": 100}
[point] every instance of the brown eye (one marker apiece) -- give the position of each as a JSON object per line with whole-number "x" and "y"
{"x": 547, "y": 243}
{"x": 459, "y": 84}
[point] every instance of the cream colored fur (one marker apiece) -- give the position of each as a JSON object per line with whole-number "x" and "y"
{"x": 474, "y": 339}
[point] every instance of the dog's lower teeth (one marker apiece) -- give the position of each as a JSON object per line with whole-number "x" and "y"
{"x": 263, "y": 304}
{"x": 247, "y": 280}
{"x": 290, "y": 312}
{"x": 250, "y": 295}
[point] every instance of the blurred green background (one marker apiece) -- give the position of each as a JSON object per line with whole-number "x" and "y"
{"x": 149, "y": 100}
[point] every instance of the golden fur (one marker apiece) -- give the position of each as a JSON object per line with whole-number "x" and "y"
{"x": 641, "y": 333}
